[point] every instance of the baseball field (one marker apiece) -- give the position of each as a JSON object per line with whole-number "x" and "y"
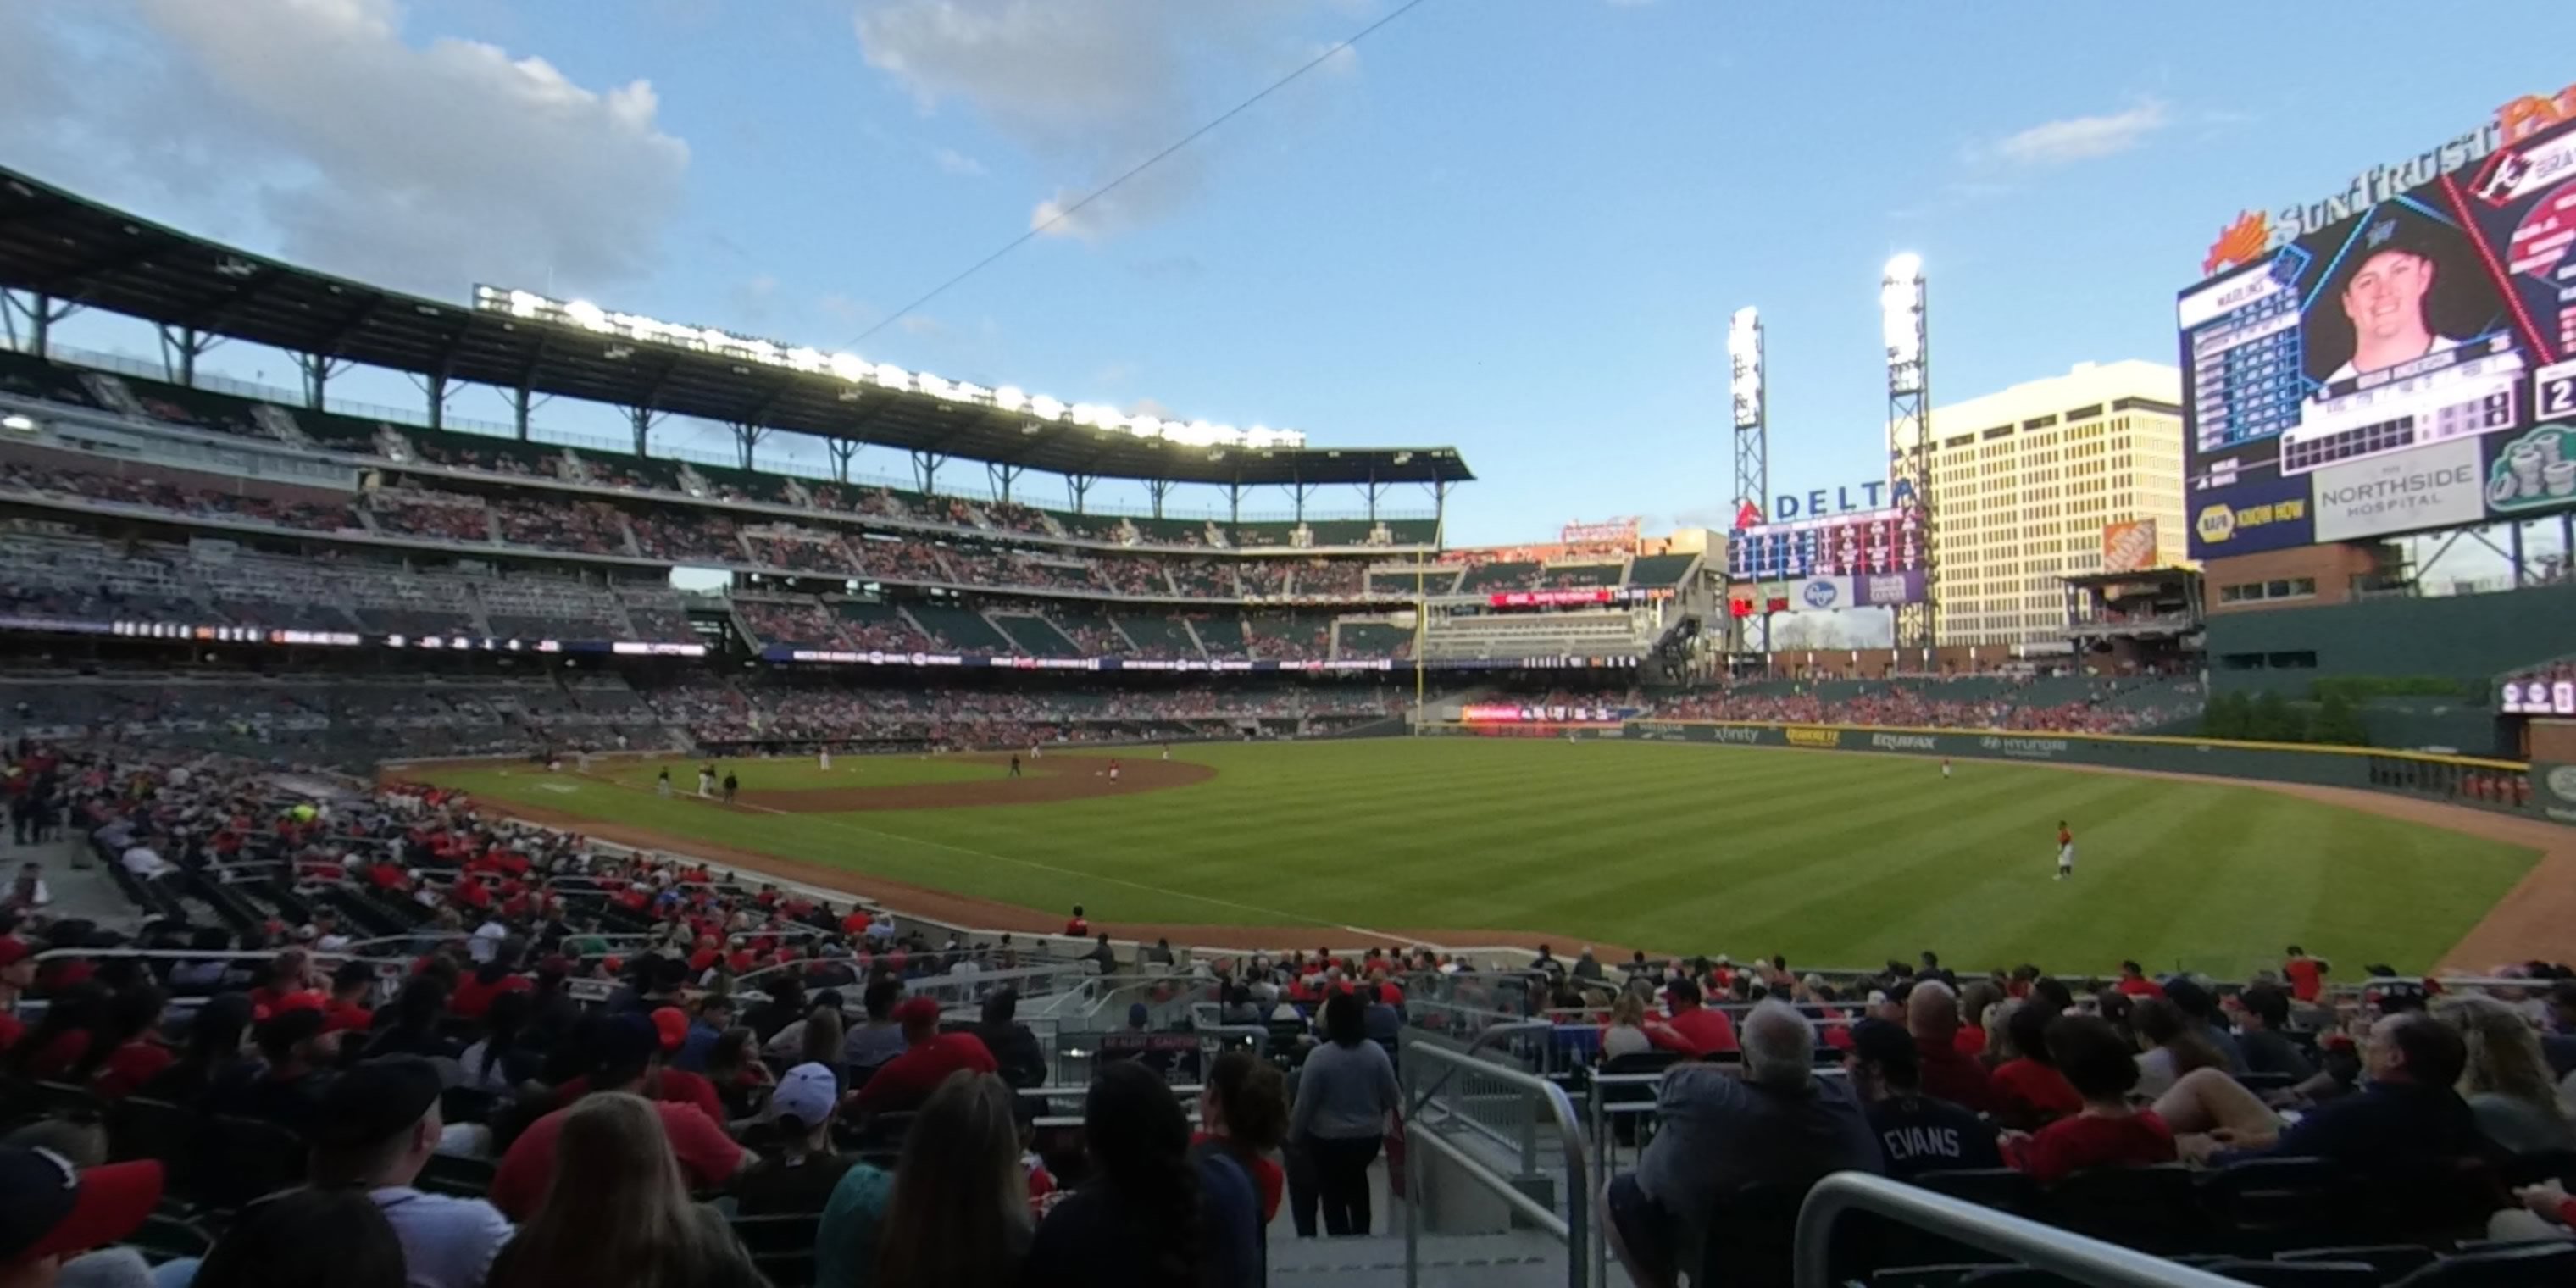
{"x": 1831, "y": 859}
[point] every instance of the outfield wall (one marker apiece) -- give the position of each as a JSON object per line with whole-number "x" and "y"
{"x": 2504, "y": 786}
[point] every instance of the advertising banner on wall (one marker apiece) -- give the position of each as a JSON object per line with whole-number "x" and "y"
{"x": 2248, "y": 517}
{"x": 2429, "y": 487}
{"x": 2130, "y": 546}
{"x": 2532, "y": 472}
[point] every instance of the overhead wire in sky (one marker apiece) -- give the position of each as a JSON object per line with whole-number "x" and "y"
{"x": 1139, "y": 168}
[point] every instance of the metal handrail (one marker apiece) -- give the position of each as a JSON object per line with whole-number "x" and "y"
{"x": 2060, "y": 1252}
{"x": 1573, "y": 1228}
{"x": 1467, "y": 1057}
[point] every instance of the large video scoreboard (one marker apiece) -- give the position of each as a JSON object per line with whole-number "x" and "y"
{"x": 1836, "y": 545}
{"x": 2407, "y": 366}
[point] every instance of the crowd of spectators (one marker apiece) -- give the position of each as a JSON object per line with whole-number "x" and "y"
{"x": 2062, "y": 1079}
{"x": 466, "y": 1117}
{"x": 686, "y": 536}
{"x": 437, "y": 516}
{"x": 583, "y": 527}
{"x": 314, "y": 515}
{"x": 801, "y": 552}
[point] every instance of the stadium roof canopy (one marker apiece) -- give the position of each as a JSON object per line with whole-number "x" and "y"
{"x": 67, "y": 248}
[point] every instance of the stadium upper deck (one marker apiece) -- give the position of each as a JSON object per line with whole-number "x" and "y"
{"x": 64, "y": 251}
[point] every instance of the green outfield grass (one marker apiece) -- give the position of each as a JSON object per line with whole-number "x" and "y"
{"x": 1841, "y": 860}
{"x": 803, "y": 773}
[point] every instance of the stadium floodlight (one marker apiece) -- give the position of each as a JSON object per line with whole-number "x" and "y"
{"x": 932, "y": 385}
{"x": 1010, "y": 398}
{"x": 586, "y": 315}
{"x": 891, "y": 376}
{"x": 1146, "y": 427}
{"x": 1744, "y": 361}
{"x": 1045, "y": 408}
{"x": 1900, "y": 312}
{"x": 16, "y": 424}
{"x": 849, "y": 366}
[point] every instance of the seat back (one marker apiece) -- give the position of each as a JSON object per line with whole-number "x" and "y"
{"x": 1751, "y": 1240}
{"x": 2391, "y": 1260}
{"x": 246, "y": 1159}
{"x": 2299, "y": 1274}
{"x": 782, "y": 1246}
{"x": 2531, "y": 1265}
{"x": 2152, "y": 1209}
{"x": 165, "y": 1237}
{"x": 452, "y": 1174}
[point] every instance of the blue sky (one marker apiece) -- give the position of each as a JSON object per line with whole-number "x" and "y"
{"x": 1512, "y": 226}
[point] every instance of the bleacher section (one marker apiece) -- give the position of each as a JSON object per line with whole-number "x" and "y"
{"x": 1627, "y": 632}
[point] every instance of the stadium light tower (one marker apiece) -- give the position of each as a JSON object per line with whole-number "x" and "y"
{"x": 1752, "y": 431}
{"x": 1909, "y": 431}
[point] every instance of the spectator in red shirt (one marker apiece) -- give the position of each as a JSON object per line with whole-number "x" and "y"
{"x": 629, "y": 1053}
{"x": 2134, "y": 982}
{"x": 17, "y": 974}
{"x": 1692, "y": 1030}
{"x": 2030, "y": 1092}
{"x": 670, "y": 1027}
{"x": 2307, "y": 975}
{"x": 2108, "y": 1133}
{"x": 1932, "y": 1016}
{"x": 1076, "y": 926}
{"x": 49, "y": 1051}
{"x": 128, "y": 1051}
{"x": 612, "y": 1202}
{"x": 929, "y": 1056}
{"x": 347, "y": 1011}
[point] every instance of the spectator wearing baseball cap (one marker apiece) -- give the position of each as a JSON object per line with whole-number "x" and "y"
{"x": 628, "y": 1054}
{"x": 1693, "y": 1030}
{"x": 800, "y": 1170}
{"x": 51, "y": 1211}
{"x": 1918, "y": 1132}
{"x": 378, "y": 1126}
{"x": 299, "y": 1050}
{"x": 929, "y": 1057}
{"x": 666, "y": 1028}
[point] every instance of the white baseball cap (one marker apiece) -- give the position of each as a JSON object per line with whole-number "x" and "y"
{"x": 806, "y": 1093}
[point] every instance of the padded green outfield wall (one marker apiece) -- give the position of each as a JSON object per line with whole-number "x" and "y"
{"x": 2470, "y": 638}
{"x": 2504, "y": 786}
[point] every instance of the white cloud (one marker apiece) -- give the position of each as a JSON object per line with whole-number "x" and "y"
{"x": 315, "y": 127}
{"x": 2083, "y": 138}
{"x": 1092, "y": 87}
{"x": 952, "y": 161}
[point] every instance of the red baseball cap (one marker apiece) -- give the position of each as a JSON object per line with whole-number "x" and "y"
{"x": 49, "y": 1208}
{"x": 673, "y": 1025}
{"x": 914, "y": 1012}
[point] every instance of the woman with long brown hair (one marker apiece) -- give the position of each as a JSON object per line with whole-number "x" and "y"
{"x": 957, "y": 1213}
{"x": 2174, "y": 1046}
{"x": 619, "y": 1212}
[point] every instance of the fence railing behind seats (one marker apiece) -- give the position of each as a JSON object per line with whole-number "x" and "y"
{"x": 1465, "y": 1111}
{"x": 2071, "y": 1256}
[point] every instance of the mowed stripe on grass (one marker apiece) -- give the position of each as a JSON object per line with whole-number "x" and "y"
{"x": 1826, "y": 858}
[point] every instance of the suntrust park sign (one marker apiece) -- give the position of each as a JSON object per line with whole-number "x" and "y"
{"x": 2256, "y": 233}
{"x": 2442, "y": 485}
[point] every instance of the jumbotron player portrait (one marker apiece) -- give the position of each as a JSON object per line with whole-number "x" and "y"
{"x": 2398, "y": 297}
